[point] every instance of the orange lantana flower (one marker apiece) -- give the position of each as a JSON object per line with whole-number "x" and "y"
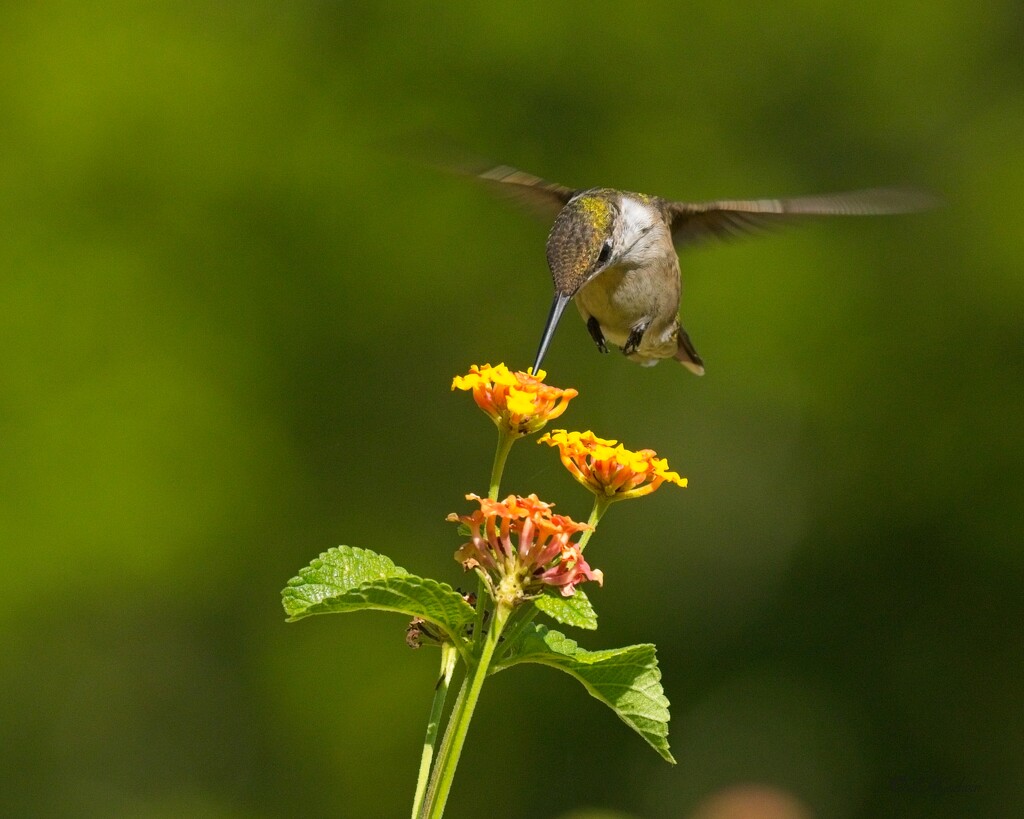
{"x": 519, "y": 545}
{"x": 607, "y": 468}
{"x": 518, "y": 402}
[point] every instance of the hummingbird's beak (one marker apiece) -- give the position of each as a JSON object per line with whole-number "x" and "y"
{"x": 557, "y": 306}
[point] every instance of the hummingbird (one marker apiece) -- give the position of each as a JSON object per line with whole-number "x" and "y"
{"x": 613, "y": 252}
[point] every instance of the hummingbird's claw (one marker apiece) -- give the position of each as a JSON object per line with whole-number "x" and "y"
{"x": 595, "y": 333}
{"x": 635, "y": 337}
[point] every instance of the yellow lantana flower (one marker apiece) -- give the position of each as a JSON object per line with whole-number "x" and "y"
{"x": 607, "y": 468}
{"x": 517, "y": 402}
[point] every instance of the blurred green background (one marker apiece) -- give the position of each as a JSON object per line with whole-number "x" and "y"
{"x": 231, "y": 314}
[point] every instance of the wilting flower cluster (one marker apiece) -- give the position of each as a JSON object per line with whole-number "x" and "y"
{"x": 518, "y": 402}
{"x": 607, "y": 468}
{"x": 519, "y": 545}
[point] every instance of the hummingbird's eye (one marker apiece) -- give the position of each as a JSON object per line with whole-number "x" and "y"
{"x": 605, "y": 254}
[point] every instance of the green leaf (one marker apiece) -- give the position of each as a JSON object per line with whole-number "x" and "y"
{"x": 351, "y": 579}
{"x": 572, "y": 611}
{"x": 627, "y": 680}
{"x": 335, "y": 571}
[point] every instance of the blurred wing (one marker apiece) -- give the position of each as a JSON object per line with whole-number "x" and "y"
{"x": 695, "y": 221}
{"x": 544, "y": 198}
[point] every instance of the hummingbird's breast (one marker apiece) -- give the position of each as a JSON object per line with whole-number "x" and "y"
{"x": 622, "y": 298}
{"x": 641, "y": 290}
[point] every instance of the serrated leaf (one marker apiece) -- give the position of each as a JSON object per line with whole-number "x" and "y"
{"x": 572, "y": 611}
{"x": 347, "y": 578}
{"x": 627, "y": 680}
{"x": 336, "y": 571}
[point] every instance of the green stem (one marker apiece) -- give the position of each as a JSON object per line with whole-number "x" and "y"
{"x": 458, "y": 725}
{"x": 446, "y": 741}
{"x": 601, "y": 504}
{"x": 448, "y": 657}
{"x": 505, "y": 441}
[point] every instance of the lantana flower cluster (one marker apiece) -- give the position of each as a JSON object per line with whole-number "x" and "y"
{"x": 607, "y": 468}
{"x": 516, "y": 401}
{"x": 525, "y": 545}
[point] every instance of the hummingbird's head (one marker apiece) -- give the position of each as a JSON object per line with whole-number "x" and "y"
{"x": 581, "y": 241}
{"x": 580, "y": 246}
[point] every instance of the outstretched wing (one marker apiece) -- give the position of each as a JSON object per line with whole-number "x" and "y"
{"x": 725, "y": 219}
{"x": 544, "y": 198}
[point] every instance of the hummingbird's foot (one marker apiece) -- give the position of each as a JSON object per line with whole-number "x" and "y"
{"x": 595, "y": 333}
{"x": 635, "y": 337}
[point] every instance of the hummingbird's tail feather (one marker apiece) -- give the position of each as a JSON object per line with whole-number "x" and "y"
{"x": 687, "y": 355}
